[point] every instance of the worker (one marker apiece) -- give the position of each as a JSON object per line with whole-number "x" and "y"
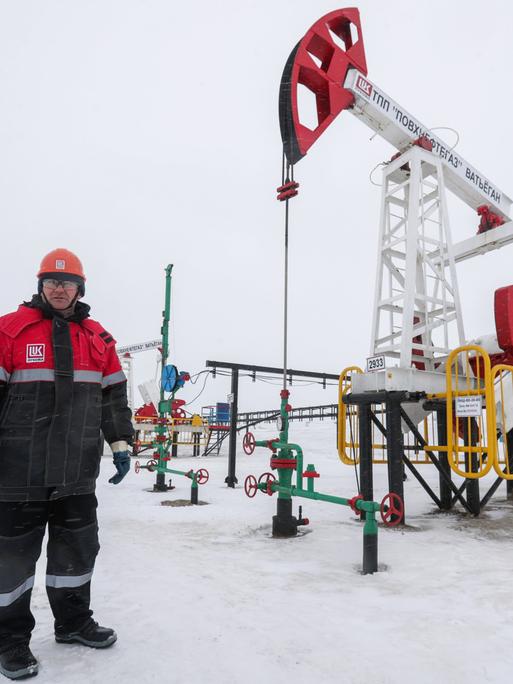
{"x": 61, "y": 383}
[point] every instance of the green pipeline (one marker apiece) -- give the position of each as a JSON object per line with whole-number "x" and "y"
{"x": 188, "y": 473}
{"x": 284, "y": 450}
{"x": 366, "y": 506}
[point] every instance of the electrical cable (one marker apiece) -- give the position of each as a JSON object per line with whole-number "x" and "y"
{"x": 269, "y": 379}
{"x": 188, "y": 403}
{"x": 448, "y": 128}
{"x": 296, "y": 382}
{"x": 196, "y": 375}
{"x": 379, "y": 185}
{"x": 434, "y": 128}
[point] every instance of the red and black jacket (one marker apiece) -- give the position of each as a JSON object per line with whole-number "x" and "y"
{"x": 61, "y": 383}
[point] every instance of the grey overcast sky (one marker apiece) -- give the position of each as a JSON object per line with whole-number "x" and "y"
{"x": 145, "y": 132}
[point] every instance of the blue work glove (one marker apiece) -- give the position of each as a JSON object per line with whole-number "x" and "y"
{"x": 122, "y": 462}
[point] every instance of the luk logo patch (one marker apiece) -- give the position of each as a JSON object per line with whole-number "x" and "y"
{"x": 60, "y": 264}
{"x": 364, "y": 86}
{"x": 35, "y": 353}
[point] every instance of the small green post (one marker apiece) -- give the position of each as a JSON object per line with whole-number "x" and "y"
{"x": 310, "y": 469}
{"x": 370, "y": 543}
{"x": 194, "y": 490}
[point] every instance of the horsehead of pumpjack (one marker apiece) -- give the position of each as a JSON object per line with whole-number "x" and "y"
{"x": 320, "y": 62}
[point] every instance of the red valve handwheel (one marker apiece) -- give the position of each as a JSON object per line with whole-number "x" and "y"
{"x": 137, "y": 467}
{"x": 249, "y": 443}
{"x": 352, "y": 503}
{"x": 202, "y": 476}
{"x": 269, "y": 479}
{"x": 267, "y": 476}
{"x": 179, "y": 413}
{"x": 250, "y": 486}
{"x": 392, "y": 504}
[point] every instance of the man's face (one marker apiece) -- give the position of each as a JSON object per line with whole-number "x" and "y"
{"x": 59, "y": 293}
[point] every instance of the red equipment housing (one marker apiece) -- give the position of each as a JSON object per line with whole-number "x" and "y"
{"x": 488, "y": 220}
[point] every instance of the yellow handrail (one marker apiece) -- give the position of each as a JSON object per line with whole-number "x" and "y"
{"x": 480, "y": 457}
{"x": 498, "y": 384}
{"x": 347, "y": 416}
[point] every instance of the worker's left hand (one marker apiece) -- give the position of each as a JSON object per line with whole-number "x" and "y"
{"x": 122, "y": 462}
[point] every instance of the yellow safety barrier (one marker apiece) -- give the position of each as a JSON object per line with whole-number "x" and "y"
{"x": 348, "y": 444}
{"x": 471, "y": 437}
{"x": 347, "y": 420}
{"x": 502, "y": 382}
{"x": 477, "y": 429}
{"x": 182, "y": 431}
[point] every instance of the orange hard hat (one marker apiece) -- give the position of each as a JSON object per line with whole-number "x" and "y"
{"x": 61, "y": 261}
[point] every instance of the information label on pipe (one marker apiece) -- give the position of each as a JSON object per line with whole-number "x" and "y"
{"x": 469, "y": 407}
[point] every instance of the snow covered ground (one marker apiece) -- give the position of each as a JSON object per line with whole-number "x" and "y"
{"x": 204, "y": 594}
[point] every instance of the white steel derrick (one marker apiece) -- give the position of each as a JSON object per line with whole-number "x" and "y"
{"x": 417, "y": 314}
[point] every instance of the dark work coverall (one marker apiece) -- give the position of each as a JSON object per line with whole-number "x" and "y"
{"x": 61, "y": 383}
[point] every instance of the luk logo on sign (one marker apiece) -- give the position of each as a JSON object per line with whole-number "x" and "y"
{"x": 35, "y": 353}
{"x": 364, "y": 86}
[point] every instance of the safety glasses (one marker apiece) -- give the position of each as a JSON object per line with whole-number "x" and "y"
{"x": 52, "y": 284}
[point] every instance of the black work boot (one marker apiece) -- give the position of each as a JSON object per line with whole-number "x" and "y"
{"x": 91, "y": 634}
{"x": 18, "y": 662}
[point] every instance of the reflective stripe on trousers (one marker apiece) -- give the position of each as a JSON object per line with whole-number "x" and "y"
{"x": 67, "y": 581}
{"x": 11, "y": 596}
